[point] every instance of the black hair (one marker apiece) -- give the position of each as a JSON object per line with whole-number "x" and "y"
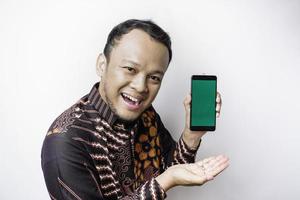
{"x": 147, "y": 26}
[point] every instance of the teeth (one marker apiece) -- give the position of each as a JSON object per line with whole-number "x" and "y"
{"x": 131, "y": 98}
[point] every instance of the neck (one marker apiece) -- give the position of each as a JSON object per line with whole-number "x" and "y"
{"x": 102, "y": 93}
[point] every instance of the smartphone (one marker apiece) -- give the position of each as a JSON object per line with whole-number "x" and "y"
{"x": 203, "y": 105}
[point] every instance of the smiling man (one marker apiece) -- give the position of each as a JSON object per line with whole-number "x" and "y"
{"x": 111, "y": 144}
{"x": 132, "y": 73}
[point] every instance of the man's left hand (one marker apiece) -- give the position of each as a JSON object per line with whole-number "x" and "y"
{"x": 193, "y": 138}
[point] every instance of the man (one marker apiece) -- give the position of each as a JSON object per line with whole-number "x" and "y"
{"x": 112, "y": 144}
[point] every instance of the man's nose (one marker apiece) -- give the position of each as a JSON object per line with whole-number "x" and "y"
{"x": 139, "y": 83}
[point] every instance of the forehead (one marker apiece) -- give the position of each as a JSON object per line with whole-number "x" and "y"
{"x": 139, "y": 47}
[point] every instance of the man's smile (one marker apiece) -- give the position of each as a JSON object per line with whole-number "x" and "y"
{"x": 133, "y": 103}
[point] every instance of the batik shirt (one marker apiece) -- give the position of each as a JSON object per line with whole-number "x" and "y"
{"x": 89, "y": 153}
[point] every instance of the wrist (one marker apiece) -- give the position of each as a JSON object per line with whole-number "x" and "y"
{"x": 192, "y": 138}
{"x": 165, "y": 180}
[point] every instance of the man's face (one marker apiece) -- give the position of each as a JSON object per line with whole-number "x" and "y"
{"x": 132, "y": 78}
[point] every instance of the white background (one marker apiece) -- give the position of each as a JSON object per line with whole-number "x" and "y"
{"x": 48, "y": 51}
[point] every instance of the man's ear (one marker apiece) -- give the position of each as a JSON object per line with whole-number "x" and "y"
{"x": 101, "y": 65}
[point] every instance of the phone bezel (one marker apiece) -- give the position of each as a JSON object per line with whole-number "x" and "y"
{"x": 202, "y": 128}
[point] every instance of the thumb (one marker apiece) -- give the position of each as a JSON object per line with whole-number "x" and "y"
{"x": 187, "y": 101}
{"x": 187, "y": 106}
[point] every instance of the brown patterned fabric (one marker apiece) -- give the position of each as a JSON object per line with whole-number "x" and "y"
{"x": 147, "y": 149}
{"x": 89, "y": 153}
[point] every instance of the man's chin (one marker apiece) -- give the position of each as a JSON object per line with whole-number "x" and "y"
{"x": 128, "y": 118}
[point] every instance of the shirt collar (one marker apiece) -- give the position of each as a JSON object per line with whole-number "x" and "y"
{"x": 105, "y": 111}
{"x": 101, "y": 106}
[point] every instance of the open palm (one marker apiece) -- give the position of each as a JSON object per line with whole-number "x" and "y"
{"x": 200, "y": 172}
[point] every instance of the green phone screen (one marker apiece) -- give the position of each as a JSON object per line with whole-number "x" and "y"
{"x": 203, "y": 102}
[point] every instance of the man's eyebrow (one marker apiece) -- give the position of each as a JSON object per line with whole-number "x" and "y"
{"x": 131, "y": 61}
{"x": 158, "y": 72}
{"x": 137, "y": 64}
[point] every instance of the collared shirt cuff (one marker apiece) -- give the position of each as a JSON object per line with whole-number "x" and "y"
{"x": 189, "y": 149}
{"x": 185, "y": 153}
{"x": 151, "y": 190}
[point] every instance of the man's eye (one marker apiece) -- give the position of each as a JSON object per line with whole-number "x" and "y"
{"x": 130, "y": 69}
{"x": 155, "y": 78}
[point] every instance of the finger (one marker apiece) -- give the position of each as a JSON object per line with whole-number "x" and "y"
{"x": 215, "y": 162}
{"x": 219, "y": 99}
{"x": 219, "y": 169}
{"x": 215, "y": 166}
{"x": 218, "y": 110}
{"x": 218, "y": 107}
{"x": 201, "y": 162}
{"x": 218, "y": 165}
{"x": 187, "y": 101}
{"x": 209, "y": 159}
{"x": 219, "y": 158}
{"x": 219, "y": 104}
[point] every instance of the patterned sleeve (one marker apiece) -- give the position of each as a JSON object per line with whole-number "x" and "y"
{"x": 71, "y": 175}
{"x": 174, "y": 152}
{"x": 150, "y": 190}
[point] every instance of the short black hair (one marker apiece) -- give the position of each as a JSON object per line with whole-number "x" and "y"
{"x": 147, "y": 26}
